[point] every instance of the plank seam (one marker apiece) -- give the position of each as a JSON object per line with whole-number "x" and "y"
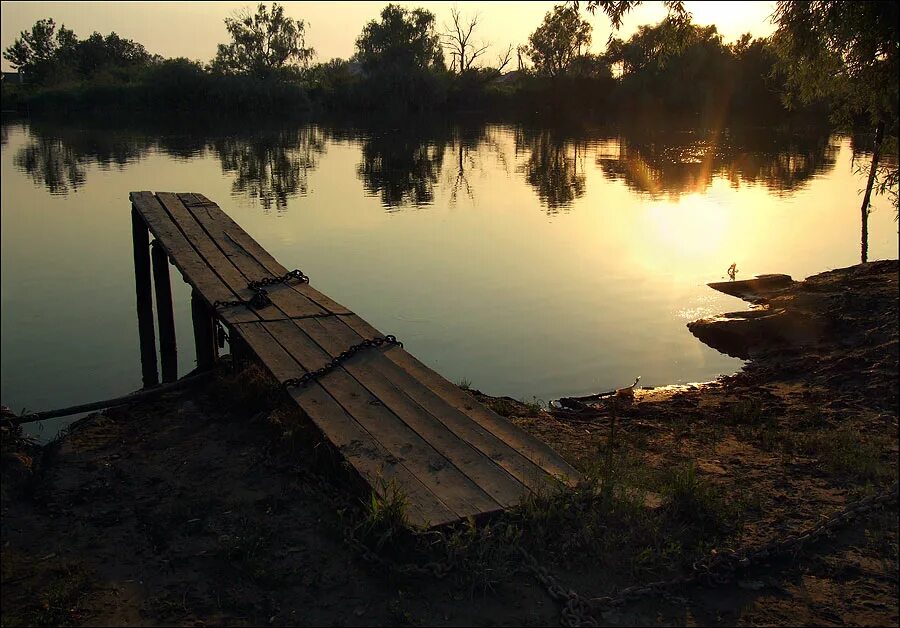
{"x": 364, "y": 387}
{"x": 361, "y": 426}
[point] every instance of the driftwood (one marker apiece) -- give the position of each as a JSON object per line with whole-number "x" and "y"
{"x": 140, "y": 395}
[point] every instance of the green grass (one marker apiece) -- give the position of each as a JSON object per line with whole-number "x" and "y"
{"x": 690, "y": 499}
{"x": 383, "y": 518}
{"x": 844, "y": 452}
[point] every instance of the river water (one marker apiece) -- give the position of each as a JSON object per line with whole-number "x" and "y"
{"x": 529, "y": 261}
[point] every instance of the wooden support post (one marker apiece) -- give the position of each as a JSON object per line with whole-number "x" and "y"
{"x": 168, "y": 348}
{"x": 141, "y": 240}
{"x": 204, "y": 332}
{"x": 241, "y": 355}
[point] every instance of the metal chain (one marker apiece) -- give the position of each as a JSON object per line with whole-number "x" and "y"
{"x": 721, "y": 567}
{"x": 260, "y": 298}
{"x": 336, "y": 361}
{"x": 269, "y": 281}
{"x": 437, "y": 569}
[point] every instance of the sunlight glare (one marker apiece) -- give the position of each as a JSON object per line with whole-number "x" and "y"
{"x": 686, "y": 235}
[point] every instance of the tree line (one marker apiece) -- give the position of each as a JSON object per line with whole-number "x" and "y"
{"x": 406, "y": 61}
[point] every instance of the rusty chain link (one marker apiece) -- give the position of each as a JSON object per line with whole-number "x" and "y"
{"x": 260, "y": 298}
{"x": 721, "y": 567}
{"x": 270, "y": 281}
{"x": 437, "y": 569}
{"x": 339, "y": 359}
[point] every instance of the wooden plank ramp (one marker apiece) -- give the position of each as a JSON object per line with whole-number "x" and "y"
{"x": 393, "y": 419}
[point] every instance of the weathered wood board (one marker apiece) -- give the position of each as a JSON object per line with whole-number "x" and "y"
{"x": 392, "y": 418}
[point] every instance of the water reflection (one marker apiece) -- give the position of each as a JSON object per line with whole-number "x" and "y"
{"x": 673, "y": 164}
{"x": 402, "y": 166}
{"x": 183, "y": 147}
{"x": 410, "y": 164}
{"x": 554, "y": 168}
{"x": 57, "y": 157}
{"x": 271, "y": 168}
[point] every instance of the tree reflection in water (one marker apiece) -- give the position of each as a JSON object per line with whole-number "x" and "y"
{"x": 471, "y": 146}
{"x": 554, "y": 168}
{"x": 402, "y": 165}
{"x": 673, "y": 164}
{"x": 57, "y": 157}
{"x": 273, "y": 167}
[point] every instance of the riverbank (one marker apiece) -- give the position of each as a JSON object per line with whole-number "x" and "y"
{"x": 218, "y": 506}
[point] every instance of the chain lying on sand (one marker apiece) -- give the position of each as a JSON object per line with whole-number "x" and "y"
{"x": 721, "y": 567}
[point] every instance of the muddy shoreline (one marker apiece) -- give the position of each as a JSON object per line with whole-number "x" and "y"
{"x": 219, "y": 506}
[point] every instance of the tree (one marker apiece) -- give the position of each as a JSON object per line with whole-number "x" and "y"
{"x": 616, "y": 10}
{"x": 558, "y": 40}
{"x": 263, "y": 44}
{"x": 458, "y": 39}
{"x": 504, "y": 58}
{"x": 402, "y": 41}
{"x": 34, "y": 52}
{"x": 848, "y": 54}
{"x": 97, "y": 53}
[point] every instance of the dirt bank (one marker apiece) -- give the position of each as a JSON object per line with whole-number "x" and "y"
{"x": 217, "y": 505}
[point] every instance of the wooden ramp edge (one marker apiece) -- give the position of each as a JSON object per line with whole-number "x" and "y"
{"x": 396, "y": 421}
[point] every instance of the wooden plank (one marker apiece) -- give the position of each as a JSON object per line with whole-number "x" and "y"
{"x": 233, "y": 265}
{"x": 392, "y": 417}
{"x": 194, "y": 269}
{"x": 204, "y": 332}
{"x": 223, "y": 228}
{"x": 355, "y": 444}
{"x": 497, "y": 465}
{"x": 168, "y": 347}
{"x": 492, "y": 478}
{"x": 456, "y": 490}
{"x": 334, "y": 335}
{"x": 142, "y": 287}
{"x": 533, "y": 449}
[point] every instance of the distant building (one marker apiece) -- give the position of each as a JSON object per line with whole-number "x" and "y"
{"x": 509, "y": 77}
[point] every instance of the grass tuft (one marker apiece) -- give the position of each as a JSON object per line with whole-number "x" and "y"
{"x": 845, "y": 452}
{"x": 691, "y": 499}
{"x": 383, "y": 517}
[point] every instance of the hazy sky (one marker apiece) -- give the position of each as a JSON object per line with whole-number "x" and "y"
{"x": 192, "y": 29}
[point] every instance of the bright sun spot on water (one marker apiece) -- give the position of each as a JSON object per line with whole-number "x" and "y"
{"x": 689, "y": 230}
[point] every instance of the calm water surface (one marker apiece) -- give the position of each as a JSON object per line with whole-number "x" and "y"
{"x": 533, "y": 262}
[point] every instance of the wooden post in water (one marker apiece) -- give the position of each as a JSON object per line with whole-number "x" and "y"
{"x": 204, "y": 332}
{"x": 168, "y": 348}
{"x": 141, "y": 239}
